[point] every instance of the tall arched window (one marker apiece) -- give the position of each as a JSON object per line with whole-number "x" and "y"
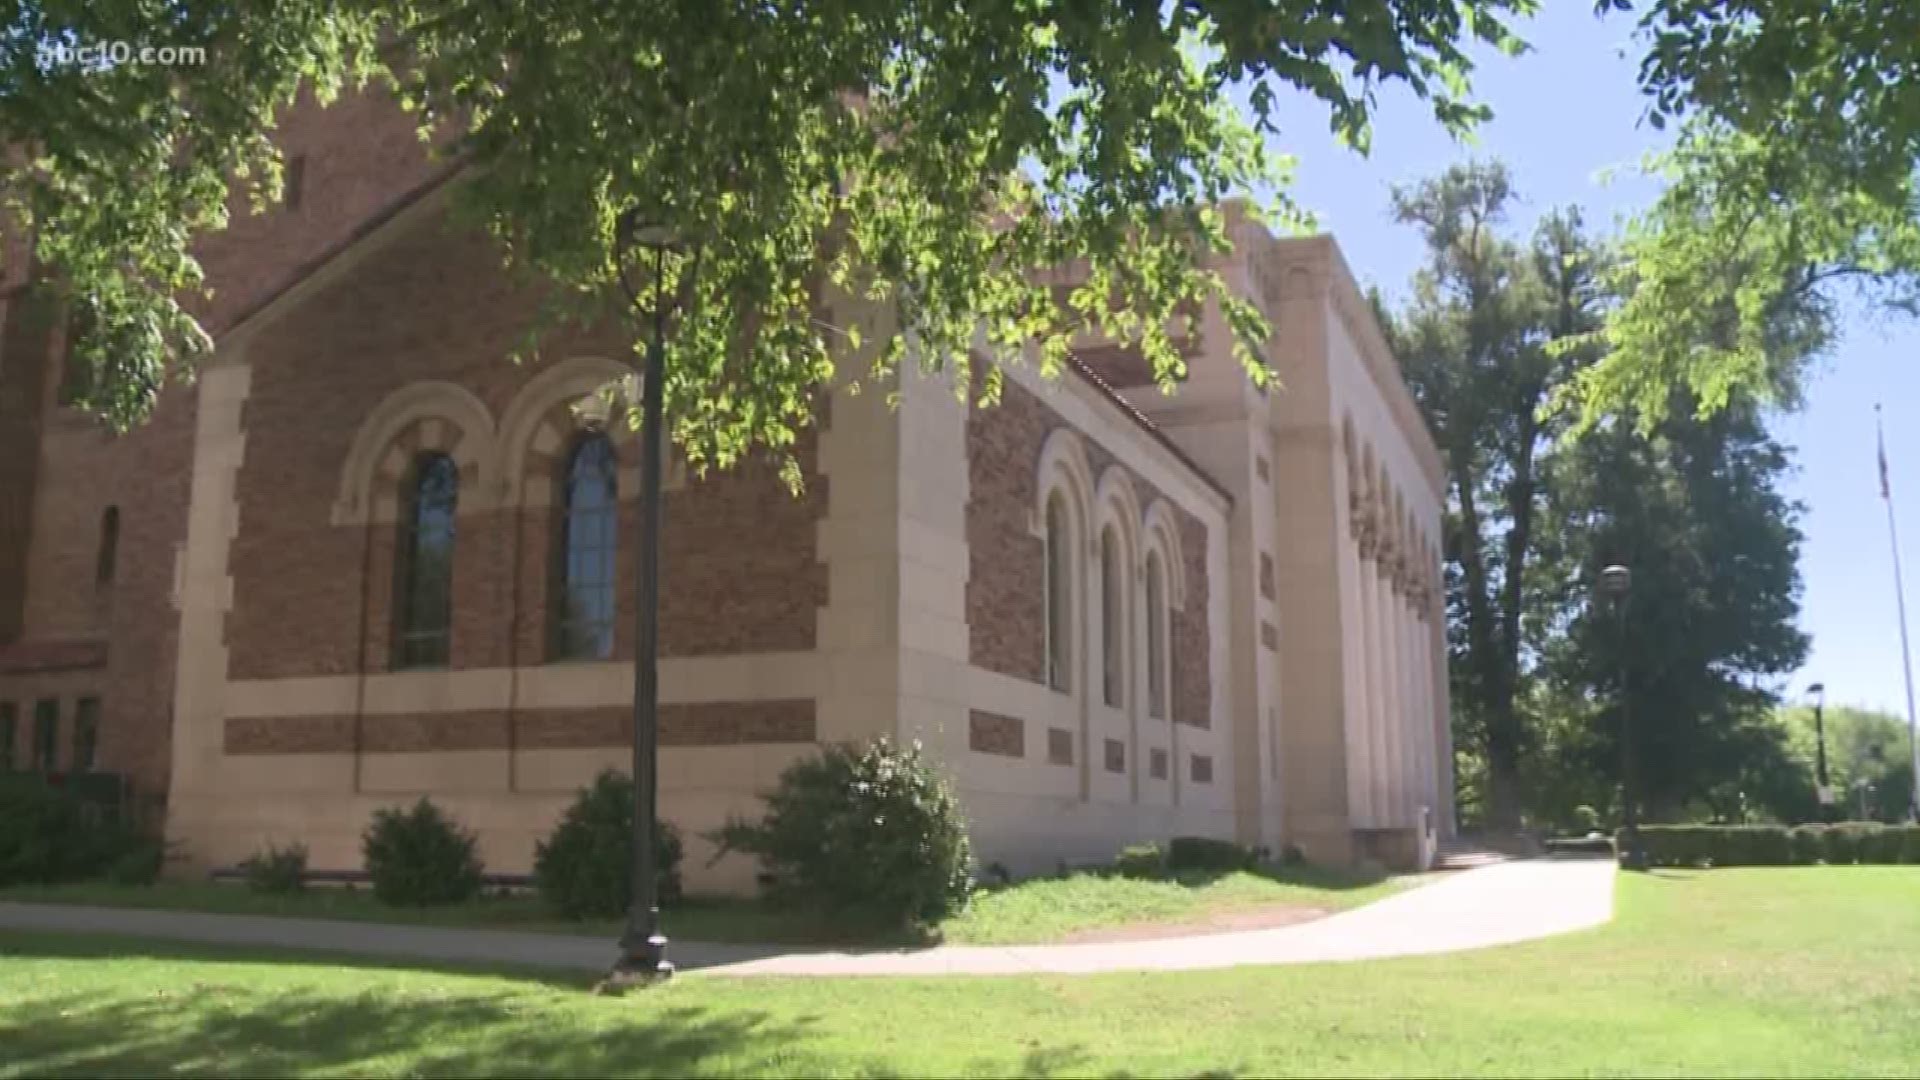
{"x": 109, "y": 551}
{"x": 584, "y": 568}
{"x": 1156, "y": 637}
{"x": 423, "y": 578}
{"x": 1113, "y": 629}
{"x": 1059, "y": 595}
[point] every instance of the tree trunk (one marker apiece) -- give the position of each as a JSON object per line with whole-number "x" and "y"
{"x": 1495, "y": 704}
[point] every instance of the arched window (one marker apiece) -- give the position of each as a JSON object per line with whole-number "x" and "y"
{"x": 1113, "y": 629}
{"x": 584, "y": 567}
{"x": 423, "y": 578}
{"x": 1059, "y": 595}
{"x": 109, "y": 551}
{"x": 1156, "y": 637}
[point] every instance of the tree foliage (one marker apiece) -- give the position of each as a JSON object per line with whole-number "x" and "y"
{"x": 1695, "y": 512}
{"x": 1497, "y": 331}
{"x": 1474, "y": 344}
{"x": 1793, "y": 177}
{"x": 938, "y": 158}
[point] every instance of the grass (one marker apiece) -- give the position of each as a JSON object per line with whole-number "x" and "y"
{"x": 1030, "y": 912}
{"x": 1788, "y": 971}
{"x": 1061, "y": 909}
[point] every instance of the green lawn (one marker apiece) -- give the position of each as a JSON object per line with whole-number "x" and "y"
{"x": 1029, "y": 912}
{"x": 1809, "y": 971}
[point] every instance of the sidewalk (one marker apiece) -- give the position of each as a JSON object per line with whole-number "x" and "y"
{"x": 1474, "y": 909}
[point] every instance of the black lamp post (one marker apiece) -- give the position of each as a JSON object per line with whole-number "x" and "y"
{"x": 1615, "y": 581}
{"x": 1818, "y": 692}
{"x": 643, "y": 947}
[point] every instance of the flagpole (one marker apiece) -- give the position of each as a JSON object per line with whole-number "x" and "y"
{"x": 1900, "y": 605}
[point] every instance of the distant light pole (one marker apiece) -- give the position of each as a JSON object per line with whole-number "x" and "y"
{"x": 1818, "y": 692}
{"x": 643, "y": 947}
{"x": 1615, "y": 582}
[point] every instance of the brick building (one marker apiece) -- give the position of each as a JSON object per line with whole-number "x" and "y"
{"x": 365, "y": 557}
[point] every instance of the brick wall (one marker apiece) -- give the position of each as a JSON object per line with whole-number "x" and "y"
{"x": 60, "y": 471}
{"x": 716, "y": 723}
{"x": 1006, "y": 613}
{"x": 740, "y": 573}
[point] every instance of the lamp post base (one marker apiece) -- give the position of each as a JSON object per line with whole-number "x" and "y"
{"x": 650, "y": 967}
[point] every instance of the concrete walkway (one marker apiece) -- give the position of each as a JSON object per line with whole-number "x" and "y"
{"x": 1497, "y": 905}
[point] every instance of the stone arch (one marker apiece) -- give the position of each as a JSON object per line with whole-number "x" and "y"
{"x": 1063, "y": 467}
{"x": 539, "y": 425}
{"x": 1117, "y": 512}
{"x": 1161, "y": 532}
{"x": 441, "y": 416}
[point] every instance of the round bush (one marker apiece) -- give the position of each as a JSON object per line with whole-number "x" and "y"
{"x": 585, "y": 868}
{"x": 48, "y": 835}
{"x": 875, "y": 832}
{"x": 420, "y": 856}
{"x": 1143, "y": 862}
{"x": 276, "y": 869}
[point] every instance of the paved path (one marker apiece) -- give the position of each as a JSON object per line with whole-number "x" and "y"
{"x": 1496, "y": 905}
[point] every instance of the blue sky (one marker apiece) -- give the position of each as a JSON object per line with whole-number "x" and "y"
{"x": 1565, "y": 114}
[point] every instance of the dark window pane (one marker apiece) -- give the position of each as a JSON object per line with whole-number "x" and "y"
{"x": 1112, "y": 630}
{"x": 109, "y": 546}
{"x": 9, "y": 732}
{"x": 1059, "y": 597}
{"x": 423, "y": 581}
{"x": 86, "y": 734}
{"x": 1156, "y": 639}
{"x": 46, "y": 734}
{"x": 584, "y": 576}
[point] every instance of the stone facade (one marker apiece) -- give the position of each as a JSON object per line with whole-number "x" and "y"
{"x": 239, "y": 633}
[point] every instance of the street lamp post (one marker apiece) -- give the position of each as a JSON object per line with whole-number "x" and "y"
{"x": 1615, "y": 581}
{"x": 643, "y": 946}
{"x": 1818, "y": 691}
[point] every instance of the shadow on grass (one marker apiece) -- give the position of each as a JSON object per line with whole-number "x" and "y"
{"x": 328, "y": 1015}
{"x": 1665, "y": 873}
{"x": 515, "y": 1025}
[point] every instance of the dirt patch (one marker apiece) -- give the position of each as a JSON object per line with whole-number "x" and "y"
{"x": 1221, "y": 922}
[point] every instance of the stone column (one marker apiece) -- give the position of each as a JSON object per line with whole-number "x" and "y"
{"x": 1381, "y": 675}
{"x": 1376, "y": 691}
{"x": 1353, "y": 637}
{"x": 1419, "y": 730}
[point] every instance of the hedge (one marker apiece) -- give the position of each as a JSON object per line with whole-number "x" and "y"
{"x": 1206, "y": 853}
{"x": 1778, "y": 845}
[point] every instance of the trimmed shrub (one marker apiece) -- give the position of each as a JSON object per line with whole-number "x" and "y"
{"x": 276, "y": 869}
{"x": 420, "y": 857}
{"x": 1143, "y": 862}
{"x": 1849, "y": 842}
{"x": 874, "y": 832}
{"x": 1882, "y": 845}
{"x": 1205, "y": 853}
{"x": 1580, "y": 845}
{"x": 139, "y": 861}
{"x": 1713, "y": 845}
{"x": 49, "y": 834}
{"x": 1838, "y": 844}
{"x": 584, "y": 869}
{"x": 1808, "y": 843}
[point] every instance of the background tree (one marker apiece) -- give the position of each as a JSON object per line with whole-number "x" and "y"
{"x": 1863, "y": 745}
{"x": 1694, "y": 510}
{"x": 1473, "y": 343}
{"x": 931, "y": 156}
